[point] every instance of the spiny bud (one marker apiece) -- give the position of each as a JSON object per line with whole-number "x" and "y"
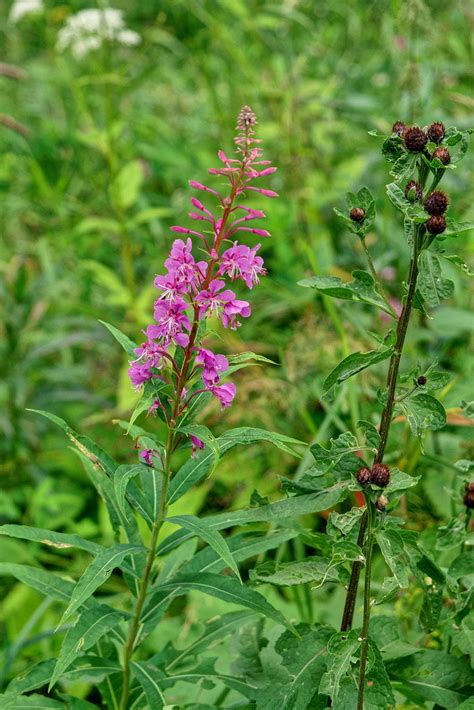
{"x": 436, "y": 224}
{"x": 436, "y": 203}
{"x": 357, "y": 214}
{"x": 442, "y": 154}
{"x": 364, "y": 476}
{"x": 398, "y": 128}
{"x": 422, "y": 380}
{"x": 436, "y": 132}
{"x": 381, "y": 503}
{"x": 380, "y": 474}
{"x": 415, "y": 139}
{"x": 413, "y": 191}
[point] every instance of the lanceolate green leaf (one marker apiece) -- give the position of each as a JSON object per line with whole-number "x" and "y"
{"x": 49, "y": 537}
{"x": 432, "y": 286}
{"x": 227, "y": 589}
{"x": 96, "y": 574}
{"x": 90, "y": 626}
{"x": 312, "y": 570}
{"x": 150, "y": 678}
{"x": 354, "y": 363}
{"x": 210, "y": 535}
{"x": 29, "y": 702}
{"x": 122, "y": 476}
{"x": 127, "y": 344}
{"x": 273, "y": 512}
{"x": 46, "y": 583}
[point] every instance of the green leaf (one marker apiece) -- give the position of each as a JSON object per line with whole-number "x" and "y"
{"x": 459, "y": 262}
{"x": 397, "y": 197}
{"x": 213, "y": 538}
{"x": 273, "y": 512}
{"x": 292, "y": 684}
{"x": 431, "y": 285}
{"x": 400, "y": 481}
{"x": 35, "y": 676}
{"x": 344, "y": 444}
{"x": 286, "y": 574}
{"x": 433, "y": 676}
{"x": 404, "y": 166}
{"x": 462, "y": 568}
{"x": 49, "y": 537}
{"x": 249, "y": 435}
{"x": 424, "y": 411}
{"x": 227, "y": 589}
{"x": 392, "y": 548}
{"x": 341, "y": 647}
{"x": 354, "y": 363}
{"x": 46, "y": 583}
{"x": 32, "y": 702}
{"x": 150, "y": 679}
{"x": 96, "y": 574}
{"x": 128, "y": 345}
{"x": 125, "y": 189}
{"x": 89, "y": 627}
{"x": 122, "y": 476}
{"x": 372, "y": 436}
{"x": 362, "y": 288}
{"x": 215, "y": 630}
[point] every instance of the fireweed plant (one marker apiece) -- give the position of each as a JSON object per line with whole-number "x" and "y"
{"x": 177, "y": 374}
{"x": 106, "y": 653}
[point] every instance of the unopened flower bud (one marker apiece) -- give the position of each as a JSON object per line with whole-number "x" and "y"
{"x": 398, "y": 128}
{"x": 380, "y": 474}
{"x": 469, "y": 497}
{"x": 436, "y": 224}
{"x": 415, "y": 139}
{"x": 357, "y": 214}
{"x": 436, "y": 203}
{"x": 442, "y": 154}
{"x": 470, "y": 487}
{"x": 413, "y": 191}
{"x": 381, "y": 503}
{"x": 436, "y": 132}
{"x": 421, "y": 380}
{"x": 364, "y": 476}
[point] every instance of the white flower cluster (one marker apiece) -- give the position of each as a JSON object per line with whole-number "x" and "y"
{"x": 87, "y": 29}
{"x": 20, "y": 8}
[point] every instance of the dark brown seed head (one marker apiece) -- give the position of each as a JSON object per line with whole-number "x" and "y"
{"x": 380, "y": 474}
{"x": 381, "y": 503}
{"x": 364, "y": 476}
{"x": 469, "y": 499}
{"x": 357, "y": 214}
{"x": 413, "y": 191}
{"x": 421, "y": 380}
{"x": 436, "y": 132}
{"x": 398, "y": 128}
{"x": 470, "y": 487}
{"x": 442, "y": 154}
{"x": 436, "y": 202}
{"x": 415, "y": 139}
{"x": 436, "y": 224}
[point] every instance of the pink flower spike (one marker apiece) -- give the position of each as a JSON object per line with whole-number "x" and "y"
{"x": 265, "y": 193}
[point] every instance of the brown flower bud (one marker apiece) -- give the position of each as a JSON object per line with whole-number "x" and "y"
{"x": 415, "y": 139}
{"x": 381, "y": 503}
{"x": 436, "y": 224}
{"x": 413, "y": 190}
{"x": 380, "y": 474}
{"x": 398, "y": 128}
{"x": 470, "y": 487}
{"x": 421, "y": 380}
{"x": 357, "y": 214}
{"x": 364, "y": 476}
{"x": 436, "y": 132}
{"x": 442, "y": 154}
{"x": 436, "y": 203}
{"x": 469, "y": 499}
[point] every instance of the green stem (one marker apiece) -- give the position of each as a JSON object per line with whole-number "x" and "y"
{"x": 364, "y": 649}
{"x": 348, "y": 613}
{"x": 135, "y": 622}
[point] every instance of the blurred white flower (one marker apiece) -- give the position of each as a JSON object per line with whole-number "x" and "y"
{"x": 87, "y": 29}
{"x": 20, "y": 8}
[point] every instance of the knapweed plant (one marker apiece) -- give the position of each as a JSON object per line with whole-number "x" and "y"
{"x": 107, "y": 650}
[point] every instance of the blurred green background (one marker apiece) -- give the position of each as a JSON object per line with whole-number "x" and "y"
{"x": 96, "y": 152}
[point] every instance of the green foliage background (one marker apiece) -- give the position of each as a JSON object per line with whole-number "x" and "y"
{"x": 97, "y": 171}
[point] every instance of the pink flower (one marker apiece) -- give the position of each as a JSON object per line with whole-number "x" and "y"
{"x": 213, "y": 299}
{"x": 139, "y": 374}
{"x": 213, "y": 365}
{"x": 196, "y": 444}
{"x": 224, "y": 393}
{"x": 241, "y": 262}
{"x": 232, "y": 309}
{"x": 171, "y": 319}
{"x": 147, "y": 456}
